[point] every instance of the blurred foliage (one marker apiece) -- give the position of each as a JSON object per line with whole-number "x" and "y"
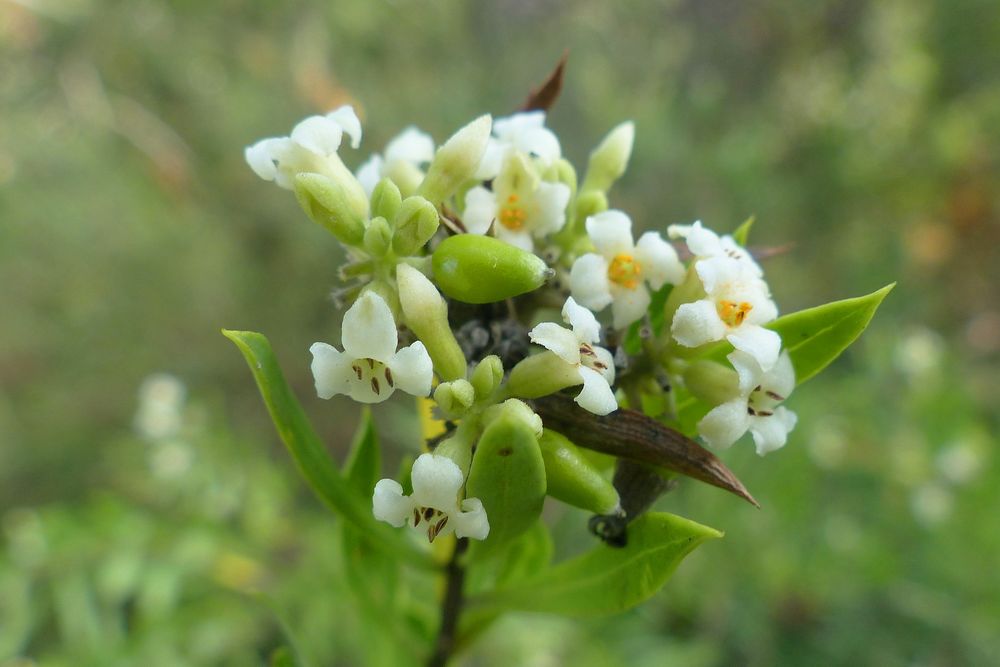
{"x": 131, "y": 231}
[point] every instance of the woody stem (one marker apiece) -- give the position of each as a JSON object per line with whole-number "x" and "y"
{"x": 451, "y": 607}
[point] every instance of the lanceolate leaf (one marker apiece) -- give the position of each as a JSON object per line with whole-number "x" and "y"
{"x": 607, "y": 580}
{"x": 543, "y": 97}
{"x": 816, "y": 336}
{"x": 308, "y": 452}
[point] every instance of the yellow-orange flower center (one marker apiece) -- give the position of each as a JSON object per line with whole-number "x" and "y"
{"x": 624, "y": 271}
{"x": 512, "y": 215}
{"x": 733, "y": 313}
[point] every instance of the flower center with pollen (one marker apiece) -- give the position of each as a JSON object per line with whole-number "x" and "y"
{"x": 375, "y": 374}
{"x": 624, "y": 271}
{"x": 733, "y": 313}
{"x": 436, "y": 520}
{"x": 512, "y": 215}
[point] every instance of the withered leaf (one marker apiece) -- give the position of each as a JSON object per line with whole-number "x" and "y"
{"x": 544, "y": 96}
{"x": 632, "y": 435}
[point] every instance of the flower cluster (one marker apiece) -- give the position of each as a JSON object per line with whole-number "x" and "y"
{"x": 476, "y": 253}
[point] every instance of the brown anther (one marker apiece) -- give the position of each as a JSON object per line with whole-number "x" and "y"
{"x": 586, "y": 349}
{"x": 751, "y": 411}
{"x": 371, "y": 363}
{"x": 757, "y": 388}
{"x": 416, "y": 517}
{"x": 764, "y": 413}
{"x": 439, "y": 526}
{"x": 357, "y": 369}
{"x": 428, "y": 513}
{"x": 600, "y": 365}
{"x": 375, "y": 386}
{"x": 775, "y": 395}
{"x": 388, "y": 377}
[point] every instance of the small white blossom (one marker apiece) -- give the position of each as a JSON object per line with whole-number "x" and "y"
{"x": 757, "y": 407}
{"x": 437, "y": 482}
{"x": 706, "y": 244}
{"x": 404, "y": 157}
{"x": 370, "y": 369}
{"x": 619, "y": 273}
{"x": 523, "y": 206}
{"x": 736, "y": 305}
{"x": 313, "y": 141}
{"x": 576, "y": 347}
{"x": 522, "y": 132}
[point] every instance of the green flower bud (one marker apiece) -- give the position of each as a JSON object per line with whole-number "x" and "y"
{"x": 563, "y": 172}
{"x": 378, "y": 237}
{"x": 542, "y": 374}
{"x": 426, "y": 314}
{"x": 456, "y": 161}
{"x": 711, "y": 382}
{"x": 486, "y": 377}
{"x": 482, "y": 269}
{"x": 387, "y": 292}
{"x": 406, "y": 175}
{"x": 455, "y": 397}
{"x": 508, "y": 476}
{"x": 517, "y": 410}
{"x": 573, "y": 479}
{"x": 386, "y": 199}
{"x": 589, "y": 203}
{"x": 608, "y": 161}
{"x": 326, "y": 204}
{"x": 415, "y": 224}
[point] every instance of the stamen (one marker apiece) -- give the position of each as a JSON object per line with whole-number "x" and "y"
{"x": 624, "y": 271}
{"x": 764, "y": 413}
{"x": 600, "y": 365}
{"x": 428, "y": 513}
{"x": 586, "y": 349}
{"x": 733, "y": 313}
{"x": 357, "y": 369}
{"x": 775, "y": 395}
{"x": 751, "y": 411}
{"x": 416, "y": 517}
{"x": 388, "y": 377}
{"x": 371, "y": 363}
{"x": 375, "y": 386}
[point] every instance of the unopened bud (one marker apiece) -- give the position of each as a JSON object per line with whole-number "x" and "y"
{"x": 482, "y": 269}
{"x": 711, "y": 382}
{"x": 609, "y": 160}
{"x": 542, "y": 374}
{"x": 456, "y": 161}
{"x": 516, "y": 410}
{"x": 415, "y": 224}
{"x": 325, "y": 202}
{"x": 426, "y": 314}
{"x": 386, "y": 199}
{"x": 487, "y": 375}
{"x": 573, "y": 479}
{"x": 378, "y": 237}
{"x": 590, "y": 202}
{"x": 455, "y": 397}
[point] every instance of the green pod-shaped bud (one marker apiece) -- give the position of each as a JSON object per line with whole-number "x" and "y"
{"x": 326, "y": 204}
{"x": 542, "y": 374}
{"x": 454, "y": 398}
{"x": 456, "y": 161}
{"x": 378, "y": 237}
{"x": 711, "y": 382}
{"x": 609, "y": 160}
{"x": 573, "y": 479}
{"x": 386, "y": 199}
{"x": 426, "y": 314}
{"x": 415, "y": 224}
{"x": 508, "y": 476}
{"x": 486, "y": 376}
{"x": 516, "y": 410}
{"x": 482, "y": 269}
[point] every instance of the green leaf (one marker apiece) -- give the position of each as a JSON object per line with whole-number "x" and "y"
{"x": 742, "y": 232}
{"x": 365, "y": 460}
{"x": 508, "y": 476}
{"x": 308, "y": 453}
{"x": 816, "y": 336}
{"x": 607, "y": 580}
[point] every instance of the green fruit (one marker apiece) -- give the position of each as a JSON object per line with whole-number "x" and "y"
{"x": 572, "y": 478}
{"x": 482, "y": 269}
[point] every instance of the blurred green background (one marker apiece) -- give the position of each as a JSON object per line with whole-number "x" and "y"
{"x": 169, "y": 528}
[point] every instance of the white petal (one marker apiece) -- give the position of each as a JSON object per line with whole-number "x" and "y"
{"x": 724, "y": 278}
{"x": 596, "y": 395}
{"x": 700, "y": 241}
{"x": 261, "y": 157}
{"x": 658, "y": 260}
{"x": 389, "y": 504}
{"x": 629, "y": 304}
{"x": 492, "y": 160}
{"x": 370, "y": 173}
{"x": 520, "y": 238}
{"x": 584, "y": 324}
{"x": 781, "y": 379}
{"x": 763, "y": 309}
{"x": 611, "y": 233}
{"x": 551, "y": 200}
{"x": 733, "y": 249}
{"x": 480, "y": 210}
{"x": 588, "y": 281}
{"x": 609, "y": 363}
{"x": 331, "y": 370}
{"x": 540, "y": 141}
{"x": 369, "y": 331}
{"x": 348, "y": 121}
{"x": 748, "y": 369}
{"x": 318, "y": 135}
{"x": 563, "y": 342}
{"x": 412, "y": 370}
{"x": 725, "y": 424}
{"x": 436, "y": 482}
{"x": 771, "y": 433}
{"x": 411, "y": 145}
{"x": 697, "y": 323}
{"x": 471, "y": 521}
{"x": 760, "y": 343}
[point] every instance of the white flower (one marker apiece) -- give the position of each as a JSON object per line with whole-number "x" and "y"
{"x": 370, "y": 369}
{"x": 618, "y": 274}
{"x": 735, "y": 306}
{"x": 756, "y": 408}
{"x": 523, "y": 132}
{"x": 706, "y": 244}
{"x": 312, "y": 142}
{"x": 523, "y": 206}
{"x": 403, "y": 158}
{"x": 576, "y": 347}
{"x": 437, "y": 481}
